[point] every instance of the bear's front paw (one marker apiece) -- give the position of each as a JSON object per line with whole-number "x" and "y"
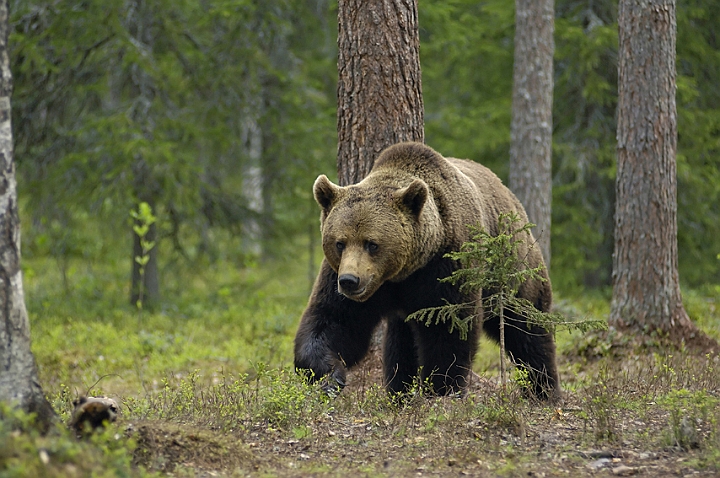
{"x": 332, "y": 385}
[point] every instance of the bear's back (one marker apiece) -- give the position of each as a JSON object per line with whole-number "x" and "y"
{"x": 495, "y": 195}
{"x": 416, "y": 159}
{"x": 464, "y": 191}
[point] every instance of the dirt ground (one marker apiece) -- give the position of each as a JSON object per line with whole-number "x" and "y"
{"x": 613, "y": 427}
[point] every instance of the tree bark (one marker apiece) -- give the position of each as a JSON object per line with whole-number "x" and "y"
{"x": 146, "y": 186}
{"x": 379, "y": 84}
{"x": 531, "y": 127}
{"x": 19, "y": 383}
{"x": 379, "y": 90}
{"x": 646, "y": 288}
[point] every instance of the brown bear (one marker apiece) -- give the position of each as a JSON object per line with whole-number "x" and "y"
{"x": 384, "y": 241}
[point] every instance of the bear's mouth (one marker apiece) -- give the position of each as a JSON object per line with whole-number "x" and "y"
{"x": 355, "y": 294}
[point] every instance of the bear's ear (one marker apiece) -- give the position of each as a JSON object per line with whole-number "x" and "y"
{"x": 325, "y": 192}
{"x": 414, "y": 196}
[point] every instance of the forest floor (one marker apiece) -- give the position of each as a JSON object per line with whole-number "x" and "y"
{"x": 647, "y": 416}
{"x": 622, "y": 414}
{"x": 206, "y": 388}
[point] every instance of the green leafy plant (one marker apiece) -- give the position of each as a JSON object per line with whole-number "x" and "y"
{"x": 144, "y": 218}
{"x": 491, "y": 265}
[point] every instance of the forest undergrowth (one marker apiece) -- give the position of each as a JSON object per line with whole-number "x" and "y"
{"x": 206, "y": 388}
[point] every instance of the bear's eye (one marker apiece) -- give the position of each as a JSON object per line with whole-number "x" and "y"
{"x": 371, "y": 246}
{"x": 340, "y": 246}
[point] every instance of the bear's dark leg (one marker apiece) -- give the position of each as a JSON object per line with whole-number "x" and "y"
{"x": 334, "y": 332}
{"x": 400, "y": 364}
{"x": 532, "y": 349}
{"x": 445, "y": 359}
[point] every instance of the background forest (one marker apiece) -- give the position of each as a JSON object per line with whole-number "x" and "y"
{"x": 220, "y": 115}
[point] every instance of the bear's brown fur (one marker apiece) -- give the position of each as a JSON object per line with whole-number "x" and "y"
{"x": 384, "y": 241}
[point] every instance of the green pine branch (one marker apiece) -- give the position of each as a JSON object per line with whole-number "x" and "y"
{"x": 493, "y": 263}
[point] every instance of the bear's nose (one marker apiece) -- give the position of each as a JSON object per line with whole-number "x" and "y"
{"x": 349, "y": 282}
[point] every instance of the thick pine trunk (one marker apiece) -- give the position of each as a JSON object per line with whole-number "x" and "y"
{"x": 646, "y": 287}
{"x": 531, "y": 128}
{"x": 18, "y": 372}
{"x": 379, "y": 92}
{"x": 379, "y": 85}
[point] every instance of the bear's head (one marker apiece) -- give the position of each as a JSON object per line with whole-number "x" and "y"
{"x": 381, "y": 229}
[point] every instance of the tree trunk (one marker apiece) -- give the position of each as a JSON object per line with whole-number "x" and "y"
{"x": 646, "y": 289}
{"x": 252, "y": 185}
{"x": 379, "y": 84}
{"x": 146, "y": 186}
{"x": 18, "y": 371}
{"x": 379, "y": 90}
{"x": 531, "y": 128}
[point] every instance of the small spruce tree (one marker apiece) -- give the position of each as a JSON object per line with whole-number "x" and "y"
{"x": 492, "y": 265}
